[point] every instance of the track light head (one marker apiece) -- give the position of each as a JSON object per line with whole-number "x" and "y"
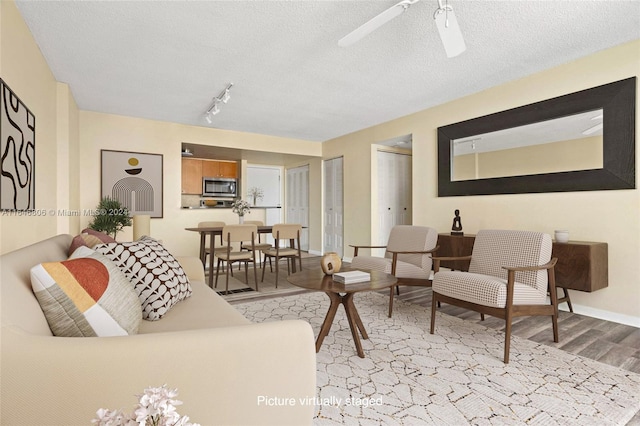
{"x": 225, "y": 97}
{"x": 214, "y": 108}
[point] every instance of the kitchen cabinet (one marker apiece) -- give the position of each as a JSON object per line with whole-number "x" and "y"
{"x": 226, "y": 169}
{"x": 194, "y": 169}
{"x": 191, "y": 176}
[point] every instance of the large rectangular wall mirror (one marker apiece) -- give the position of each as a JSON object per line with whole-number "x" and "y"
{"x": 578, "y": 142}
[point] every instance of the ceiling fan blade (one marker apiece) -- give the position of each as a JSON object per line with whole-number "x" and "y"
{"x": 375, "y": 23}
{"x": 450, "y": 33}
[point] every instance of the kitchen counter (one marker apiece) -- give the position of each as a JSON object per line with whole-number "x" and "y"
{"x": 226, "y": 207}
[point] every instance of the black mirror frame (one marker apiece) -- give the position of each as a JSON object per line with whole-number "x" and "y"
{"x": 617, "y": 99}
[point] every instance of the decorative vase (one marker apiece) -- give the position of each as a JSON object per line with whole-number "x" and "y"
{"x": 330, "y": 263}
{"x": 562, "y": 236}
{"x": 241, "y": 219}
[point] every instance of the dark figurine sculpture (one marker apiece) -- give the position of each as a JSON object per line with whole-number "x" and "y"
{"x": 456, "y": 229}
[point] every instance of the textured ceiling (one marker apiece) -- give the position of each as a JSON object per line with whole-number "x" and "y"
{"x": 167, "y": 60}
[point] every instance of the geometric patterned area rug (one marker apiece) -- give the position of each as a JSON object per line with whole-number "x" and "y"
{"x": 453, "y": 377}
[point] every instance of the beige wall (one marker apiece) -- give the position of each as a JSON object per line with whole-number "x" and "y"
{"x": 610, "y": 216}
{"x": 24, "y": 69}
{"x": 104, "y": 131}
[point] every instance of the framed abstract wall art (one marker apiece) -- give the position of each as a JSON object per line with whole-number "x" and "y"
{"x": 134, "y": 179}
{"x": 17, "y": 152}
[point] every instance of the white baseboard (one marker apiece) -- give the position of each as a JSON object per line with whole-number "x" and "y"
{"x": 602, "y": 314}
{"x": 315, "y": 252}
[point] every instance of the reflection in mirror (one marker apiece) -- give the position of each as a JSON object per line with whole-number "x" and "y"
{"x": 614, "y": 169}
{"x": 564, "y": 144}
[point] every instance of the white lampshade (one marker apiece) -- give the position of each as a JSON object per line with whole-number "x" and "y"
{"x": 141, "y": 225}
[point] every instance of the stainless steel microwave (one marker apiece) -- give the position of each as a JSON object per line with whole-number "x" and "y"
{"x": 219, "y": 187}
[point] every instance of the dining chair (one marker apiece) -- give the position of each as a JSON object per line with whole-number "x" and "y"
{"x": 207, "y": 242}
{"x": 287, "y": 246}
{"x": 509, "y": 275}
{"x": 259, "y": 246}
{"x": 233, "y": 236}
{"x": 407, "y": 256}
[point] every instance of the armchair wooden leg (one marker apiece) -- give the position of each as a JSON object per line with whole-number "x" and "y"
{"x": 507, "y": 338}
{"x": 390, "y": 302}
{"x": 553, "y": 295}
{"x": 481, "y": 317}
{"x": 433, "y": 312}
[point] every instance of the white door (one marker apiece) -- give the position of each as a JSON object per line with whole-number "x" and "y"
{"x": 297, "y": 201}
{"x": 394, "y": 193}
{"x": 333, "y": 207}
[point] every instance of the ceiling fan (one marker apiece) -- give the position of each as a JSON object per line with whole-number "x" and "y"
{"x": 446, "y": 23}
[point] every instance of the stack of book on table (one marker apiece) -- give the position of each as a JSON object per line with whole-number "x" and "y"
{"x": 351, "y": 277}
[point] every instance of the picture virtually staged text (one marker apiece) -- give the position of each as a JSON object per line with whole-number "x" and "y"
{"x": 275, "y": 401}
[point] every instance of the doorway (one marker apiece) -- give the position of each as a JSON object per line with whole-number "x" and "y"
{"x": 394, "y": 193}
{"x": 297, "y": 202}
{"x": 333, "y": 235}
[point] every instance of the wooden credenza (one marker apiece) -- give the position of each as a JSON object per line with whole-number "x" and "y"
{"x": 582, "y": 265}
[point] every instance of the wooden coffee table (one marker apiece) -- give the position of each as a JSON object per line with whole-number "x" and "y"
{"x": 341, "y": 294}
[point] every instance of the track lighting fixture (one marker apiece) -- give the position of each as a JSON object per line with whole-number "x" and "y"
{"x": 214, "y": 108}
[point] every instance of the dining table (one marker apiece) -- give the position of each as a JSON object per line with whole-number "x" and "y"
{"x": 214, "y": 231}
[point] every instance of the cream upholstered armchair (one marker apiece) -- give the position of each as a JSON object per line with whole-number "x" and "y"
{"x": 509, "y": 276}
{"x": 407, "y": 257}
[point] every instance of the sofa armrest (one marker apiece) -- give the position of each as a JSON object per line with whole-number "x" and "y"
{"x": 192, "y": 266}
{"x": 221, "y": 374}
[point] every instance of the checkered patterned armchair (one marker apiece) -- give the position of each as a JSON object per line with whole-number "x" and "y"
{"x": 510, "y": 274}
{"x": 407, "y": 256}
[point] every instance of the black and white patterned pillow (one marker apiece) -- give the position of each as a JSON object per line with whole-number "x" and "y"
{"x": 158, "y": 278}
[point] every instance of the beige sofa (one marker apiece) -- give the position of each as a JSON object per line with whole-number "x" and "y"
{"x": 220, "y": 363}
